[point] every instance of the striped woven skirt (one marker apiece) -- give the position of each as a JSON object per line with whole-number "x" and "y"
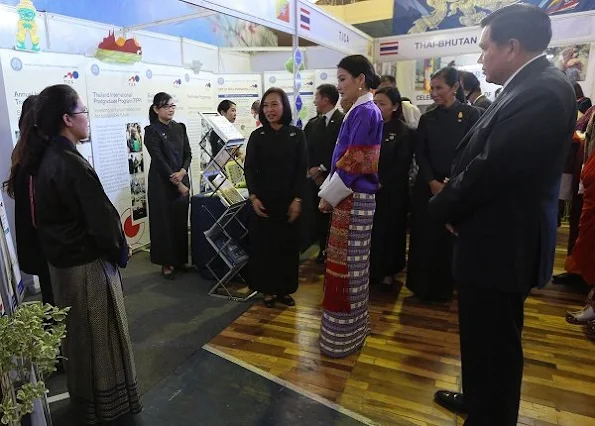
{"x": 100, "y": 367}
{"x": 345, "y": 319}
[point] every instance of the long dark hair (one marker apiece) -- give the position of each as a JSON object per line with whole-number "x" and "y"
{"x": 359, "y": 64}
{"x": 159, "y": 101}
{"x": 27, "y": 119}
{"x": 43, "y": 123}
{"x": 393, "y": 94}
{"x": 286, "y": 117}
{"x": 451, "y": 77}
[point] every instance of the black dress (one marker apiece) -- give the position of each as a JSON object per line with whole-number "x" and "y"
{"x": 429, "y": 269}
{"x": 168, "y": 210}
{"x": 389, "y": 234}
{"x": 275, "y": 170}
{"x": 30, "y": 254}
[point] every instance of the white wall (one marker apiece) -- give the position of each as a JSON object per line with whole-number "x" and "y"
{"x": 269, "y": 61}
{"x": 321, "y": 57}
{"x": 234, "y": 62}
{"x": 205, "y": 53}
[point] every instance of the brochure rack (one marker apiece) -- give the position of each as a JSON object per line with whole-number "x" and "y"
{"x": 219, "y": 177}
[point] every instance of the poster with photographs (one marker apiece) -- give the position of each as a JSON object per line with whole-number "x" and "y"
{"x": 571, "y": 60}
{"x": 136, "y": 168}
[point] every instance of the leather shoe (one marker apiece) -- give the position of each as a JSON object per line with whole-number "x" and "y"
{"x": 452, "y": 401}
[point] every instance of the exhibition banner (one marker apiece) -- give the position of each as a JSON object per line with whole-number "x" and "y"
{"x": 244, "y": 90}
{"x": 488, "y": 89}
{"x": 118, "y": 110}
{"x": 566, "y": 30}
{"x": 320, "y": 27}
{"x": 15, "y": 290}
{"x": 26, "y": 74}
{"x": 325, "y": 76}
{"x": 284, "y": 80}
{"x": 277, "y": 14}
{"x": 418, "y": 16}
{"x": 201, "y": 96}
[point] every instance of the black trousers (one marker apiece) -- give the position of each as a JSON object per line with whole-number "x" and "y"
{"x": 491, "y": 324}
{"x": 45, "y": 282}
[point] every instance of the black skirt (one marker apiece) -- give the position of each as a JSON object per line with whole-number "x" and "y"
{"x": 274, "y": 252}
{"x": 429, "y": 269}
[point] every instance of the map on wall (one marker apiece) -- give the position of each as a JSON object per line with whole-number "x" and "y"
{"x": 418, "y": 16}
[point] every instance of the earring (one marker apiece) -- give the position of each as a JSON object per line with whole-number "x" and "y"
{"x": 360, "y": 89}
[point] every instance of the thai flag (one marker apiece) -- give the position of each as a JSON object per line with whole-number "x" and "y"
{"x": 388, "y": 48}
{"x": 304, "y": 19}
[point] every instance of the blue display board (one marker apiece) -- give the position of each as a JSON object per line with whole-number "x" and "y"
{"x": 417, "y": 16}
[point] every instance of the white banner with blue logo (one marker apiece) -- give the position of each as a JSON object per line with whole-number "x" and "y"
{"x": 27, "y": 74}
{"x": 118, "y": 102}
{"x": 243, "y": 90}
{"x": 304, "y": 104}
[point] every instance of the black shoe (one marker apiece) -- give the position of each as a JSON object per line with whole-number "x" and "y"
{"x": 452, "y": 401}
{"x": 269, "y": 303}
{"x": 286, "y": 300}
{"x": 321, "y": 259}
{"x": 568, "y": 279}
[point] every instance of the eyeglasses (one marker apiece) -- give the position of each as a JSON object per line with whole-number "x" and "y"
{"x": 169, "y": 106}
{"x": 85, "y": 111}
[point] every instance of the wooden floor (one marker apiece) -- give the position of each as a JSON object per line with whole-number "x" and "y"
{"x": 414, "y": 351}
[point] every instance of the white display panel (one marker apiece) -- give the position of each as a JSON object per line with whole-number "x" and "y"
{"x": 284, "y": 80}
{"x": 26, "y": 74}
{"x": 118, "y": 110}
{"x": 243, "y": 90}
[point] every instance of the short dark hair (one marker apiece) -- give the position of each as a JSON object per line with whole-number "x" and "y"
{"x": 451, "y": 77}
{"x": 359, "y": 64}
{"x": 528, "y": 24}
{"x": 225, "y": 105}
{"x": 330, "y": 92}
{"x": 470, "y": 82}
{"x": 393, "y": 94}
{"x": 286, "y": 117}
{"x": 578, "y": 91}
{"x": 387, "y": 78}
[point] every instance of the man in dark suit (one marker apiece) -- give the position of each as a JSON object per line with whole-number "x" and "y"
{"x": 322, "y": 134}
{"x": 473, "y": 91}
{"x": 501, "y": 202}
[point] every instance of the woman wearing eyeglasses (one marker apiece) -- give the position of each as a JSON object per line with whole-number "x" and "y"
{"x": 80, "y": 234}
{"x": 167, "y": 143}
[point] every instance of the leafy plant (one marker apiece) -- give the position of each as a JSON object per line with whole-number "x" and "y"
{"x": 29, "y": 343}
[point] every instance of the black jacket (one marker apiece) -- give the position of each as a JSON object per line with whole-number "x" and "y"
{"x": 29, "y": 252}
{"x": 503, "y": 195}
{"x": 321, "y": 139}
{"x": 77, "y": 222}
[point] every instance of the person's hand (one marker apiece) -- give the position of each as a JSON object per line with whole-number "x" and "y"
{"x": 177, "y": 177}
{"x": 452, "y": 230}
{"x": 295, "y": 208}
{"x": 259, "y": 207}
{"x": 129, "y": 252}
{"x": 325, "y": 207}
{"x": 379, "y": 186}
{"x": 314, "y": 172}
{"x": 319, "y": 179}
{"x": 183, "y": 189}
{"x": 436, "y": 187}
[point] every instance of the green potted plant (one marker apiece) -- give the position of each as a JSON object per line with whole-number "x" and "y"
{"x": 29, "y": 345}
